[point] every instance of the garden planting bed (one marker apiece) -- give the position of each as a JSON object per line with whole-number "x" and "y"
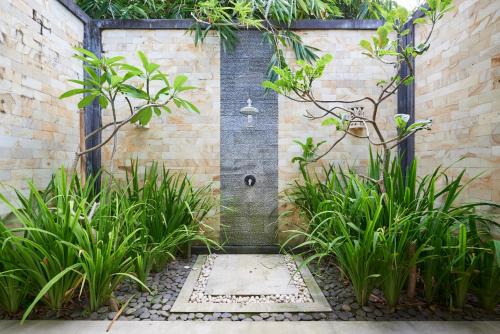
{"x": 166, "y": 286}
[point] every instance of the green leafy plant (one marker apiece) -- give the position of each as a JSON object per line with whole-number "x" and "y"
{"x": 109, "y": 80}
{"x": 47, "y": 220}
{"x": 462, "y": 265}
{"x": 14, "y": 282}
{"x": 378, "y": 236}
{"x": 68, "y": 241}
{"x": 173, "y": 210}
{"x": 103, "y": 248}
{"x": 386, "y": 46}
{"x": 485, "y": 285}
{"x": 226, "y": 17}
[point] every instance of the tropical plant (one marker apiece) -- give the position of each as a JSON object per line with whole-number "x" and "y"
{"x": 104, "y": 251}
{"x": 48, "y": 220}
{"x": 225, "y": 17}
{"x": 386, "y": 46}
{"x": 110, "y": 80}
{"x": 173, "y": 211}
{"x": 68, "y": 241}
{"x": 14, "y": 282}
{"x": 182, "y": 9}
{"x": 362, "y": 9}
{"x": 377, "y": 236}
{"x": 485, "y": 285}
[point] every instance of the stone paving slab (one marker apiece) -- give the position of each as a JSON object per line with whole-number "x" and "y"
{"x": 183, "y": 305}
{"x": 260, "y": 327}
{"x": 250, "y": 275}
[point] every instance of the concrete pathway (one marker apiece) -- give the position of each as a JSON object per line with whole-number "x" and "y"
{"x": 262, "y": 327}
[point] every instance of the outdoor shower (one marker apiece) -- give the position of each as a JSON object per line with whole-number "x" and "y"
{"x": 249, "y": 111}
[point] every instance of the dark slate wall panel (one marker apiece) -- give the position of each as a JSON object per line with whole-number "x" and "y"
{"x": 248, "y": 213}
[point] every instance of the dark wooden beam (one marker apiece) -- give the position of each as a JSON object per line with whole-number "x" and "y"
{"x": 75, "y": 10}
{"x": 92, "y": 116}
{"x": 406, "y": 103}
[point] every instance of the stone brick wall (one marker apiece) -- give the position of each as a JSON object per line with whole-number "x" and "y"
{"x": 38, "y": 132}
{"x": 458, "y": 87}
{"x": 350, "y": 75}
{"x": 183, "y": 141}
{"x": 191, "y": 142}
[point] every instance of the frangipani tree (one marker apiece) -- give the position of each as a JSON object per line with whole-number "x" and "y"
{"x": 387, "y": 47}
{"x": 111, "y": 81}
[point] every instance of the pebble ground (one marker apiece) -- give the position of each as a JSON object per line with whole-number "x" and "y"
{"x": 166, "y": 285}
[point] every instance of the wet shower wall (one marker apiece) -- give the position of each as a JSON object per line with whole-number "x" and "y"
{"x": 38, "y": 132}
{"x": 249, "y": 209}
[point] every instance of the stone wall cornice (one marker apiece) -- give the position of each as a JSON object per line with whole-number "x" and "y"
{"x": 182, "y": 24}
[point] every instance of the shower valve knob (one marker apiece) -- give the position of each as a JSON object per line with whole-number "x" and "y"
{"x": 250, "y": 180}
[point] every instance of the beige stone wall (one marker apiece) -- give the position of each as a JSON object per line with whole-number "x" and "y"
{"x": 191, "y": 143}
{"x": 182, "y": 140}
{"x": 38, "y": 132}
{"x": 458, "y": 87}
{"x": 350, "y": 75}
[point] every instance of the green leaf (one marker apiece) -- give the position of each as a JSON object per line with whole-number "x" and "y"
{"x": 420, "y": 20}
{"x": 130, "y": 68}
{"x": 87, "y": 53}
{"x": 113, "y": 60}
{"x": 185, "y": 88}
{"x": 420, "y": 124}
{"x": 163, "y": 91}
{"x": 134, "y": 92}
{"x": 408, "y": 80}
{"x": 92, "y": 73}
{"x": 179, "y": 81}
{"x": 365, "y": 44}
{"x": 47, "y": 287}
{"x": 401, "y": 120}
{"x": 103, "y": 101}
{"x": 382, "y": 33}
{"x": 326, "y": 59}
{"x": 160, "y": 76}
{"x": 271, "y": 85}
{"x": 151, "y": 67}
{"x": 331, "y": 121}
{"x": 143, "y": 116}
{"x": 86, "y": 101}
{"x": 80, "y": 82}
{"x": 191, "y": 107}
{"x": 143, "y": 58}
{"x": 115, "y": 80}
{"x": 496, "y": 245}
{"x": 73, "y": 92}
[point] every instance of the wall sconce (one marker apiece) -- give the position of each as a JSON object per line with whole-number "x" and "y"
{"x": 249, "y": 111}
{"x": 357, "y": 111}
